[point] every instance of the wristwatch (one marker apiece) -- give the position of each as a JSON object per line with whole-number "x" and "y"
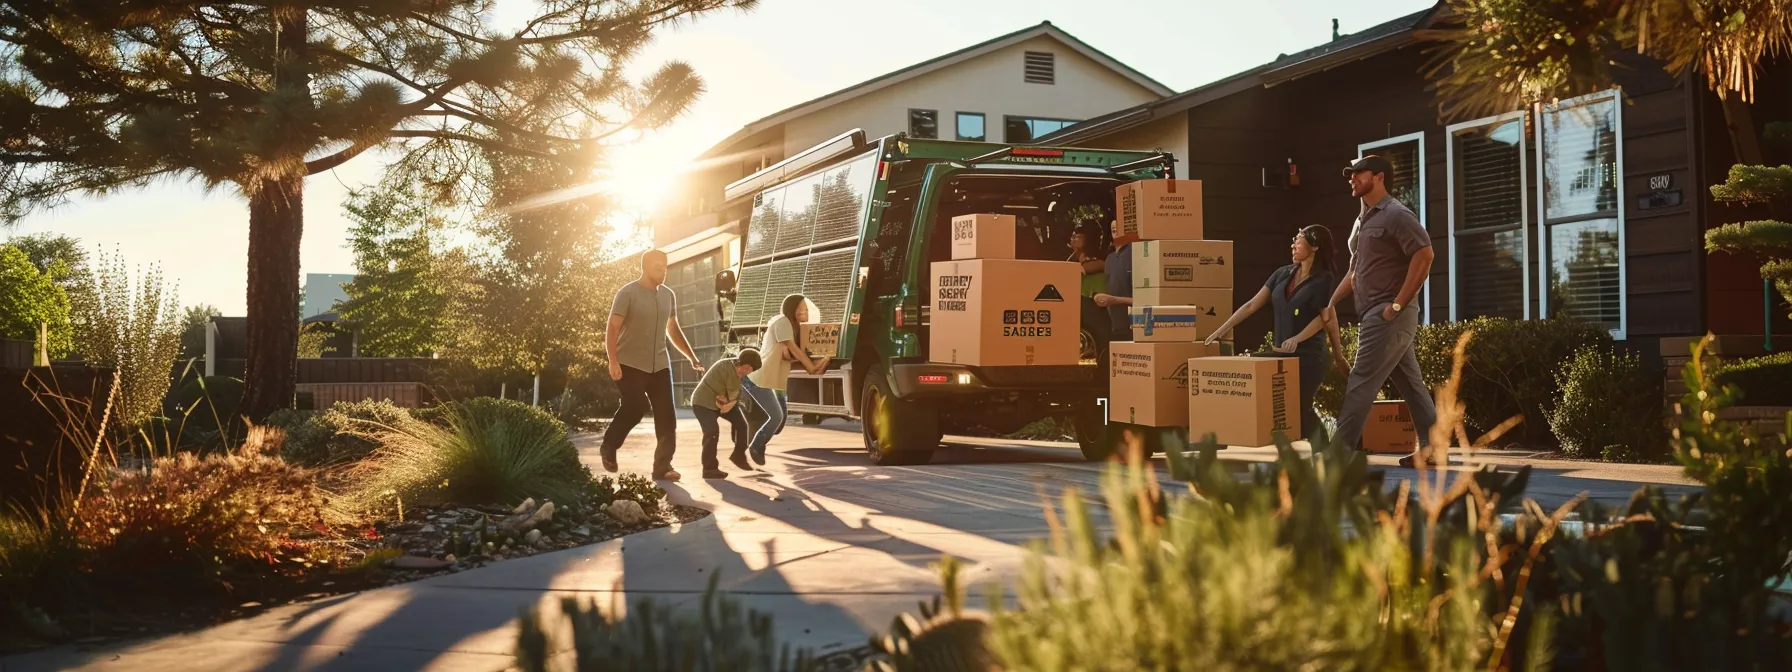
{"x": 1396, "y": 307}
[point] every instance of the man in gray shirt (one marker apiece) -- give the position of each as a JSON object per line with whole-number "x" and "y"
{"x": 642, "y": 319}
{"x": 1390, "y": 256}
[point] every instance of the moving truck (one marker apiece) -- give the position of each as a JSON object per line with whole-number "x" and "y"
{"x": 855, "y": 224}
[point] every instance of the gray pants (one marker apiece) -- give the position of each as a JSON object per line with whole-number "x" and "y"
{"x": 1383, "y": 349}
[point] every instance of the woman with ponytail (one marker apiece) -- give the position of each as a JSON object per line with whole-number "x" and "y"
{"x": 1299, "y": 294}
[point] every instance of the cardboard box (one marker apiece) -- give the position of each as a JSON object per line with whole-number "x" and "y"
{"x": 1215, "y": 304}
{"x": 1389, "y": 429}
{"x": 983, "y": 237}
{"x": 819, "y": 340}
{"x": 1182, "y": 263}
{"x": 1166, "y": 324}
{"x": 1159, "y": 209}
{"x": 1005, "y": 312}
{"x": 1244, "y": 401}
{"x": 1148, "y": 382}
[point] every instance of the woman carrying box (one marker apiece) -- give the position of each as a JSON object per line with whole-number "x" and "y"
{"x": 767, "y": 385}
{"x": 1298, "y": 293}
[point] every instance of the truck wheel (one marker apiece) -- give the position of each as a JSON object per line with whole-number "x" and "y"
{"x": 1094, "y": 435}
{"x": 896, "y": 432}
{"x": 812, "y": 419}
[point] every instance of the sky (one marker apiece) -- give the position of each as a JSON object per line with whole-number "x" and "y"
{"x": 755, "y": 63}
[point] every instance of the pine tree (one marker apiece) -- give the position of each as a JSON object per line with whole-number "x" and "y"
{"x": 259, "y": 95}
{"x": 405, "y": 278}
{"x": 1770, "y": 239}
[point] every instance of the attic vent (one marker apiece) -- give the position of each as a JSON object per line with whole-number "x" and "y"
{"x": 1041, "y": 68}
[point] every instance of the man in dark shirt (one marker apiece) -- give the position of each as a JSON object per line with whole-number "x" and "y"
{"x": 1390, "y": 256}
{"x": 1118, "y": 297}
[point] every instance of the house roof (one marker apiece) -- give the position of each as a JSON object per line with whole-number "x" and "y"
{"x": 1356, "y": 46}
{"x": 1043, "y": 29}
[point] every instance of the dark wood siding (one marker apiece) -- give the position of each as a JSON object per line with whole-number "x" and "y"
{"x": 1318, "y": 121}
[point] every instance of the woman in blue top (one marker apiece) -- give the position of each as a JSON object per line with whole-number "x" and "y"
{"x": 1298, "y": 293}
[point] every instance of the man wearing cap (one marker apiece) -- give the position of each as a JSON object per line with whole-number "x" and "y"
{"x": 1390, "y": 256}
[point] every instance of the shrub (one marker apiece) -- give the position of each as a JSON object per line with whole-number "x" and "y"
{"x": 37, "y": 550}
{"x": 720, "y": 637}
{"x": 338, "y": 434}
{"x": 492, "y": 451}
{"x": 1760, "y": 381}
{"x": 195, "y": 517}
{"x": 1610, "y": 408}
{"x": 209, "y": 402}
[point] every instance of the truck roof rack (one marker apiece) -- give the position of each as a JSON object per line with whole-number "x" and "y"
{"x": 850, "y": 143}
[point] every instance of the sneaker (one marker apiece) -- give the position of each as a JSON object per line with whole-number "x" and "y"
{"x": 609, "y": 459}
{"x": 759, "y": 456}
{"x": 714, "y": 473}
{"x": 668, "y": 475}
{"x": 740, "y": 460}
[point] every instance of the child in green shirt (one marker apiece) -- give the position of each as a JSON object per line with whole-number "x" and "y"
{"x": 717, "y": 396}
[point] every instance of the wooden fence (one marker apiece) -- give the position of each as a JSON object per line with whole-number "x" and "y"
{"x": 17, "y": 354}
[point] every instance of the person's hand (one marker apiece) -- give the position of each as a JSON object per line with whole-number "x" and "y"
{"x": 821, "y": 364}
{"x": 1288, "y": 346}
{"x": 1104, "y": 300}
{"x": 615, "y": 370}
{"x": 1211, "y": 339}
{"x": 1343, "y": 367}
{"x": 696, "y": 367}
{"x": 1387, "y": 313}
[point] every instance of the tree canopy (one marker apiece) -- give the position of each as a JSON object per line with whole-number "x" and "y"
{"x": 30, "y": 299}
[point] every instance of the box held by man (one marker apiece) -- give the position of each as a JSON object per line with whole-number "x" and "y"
{"x": 1159, "y": 210}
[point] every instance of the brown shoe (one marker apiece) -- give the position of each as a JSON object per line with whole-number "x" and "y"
{"x": 668, "y": 475}
{"x": 740, "y": 460}
{"x": 714, "y": 474}
{"x": 609, "y": 459}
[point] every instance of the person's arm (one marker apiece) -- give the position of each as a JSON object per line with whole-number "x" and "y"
{"x": 611, "y": 334}
{"x": 724, "y": 404}
{"x": 796, "y": 354}
{"x": 1415, "y": 241}
{"x": 1093, "y": 266}
{"x": 1345, "y": 287}
{"x": 1416, "y": 271}
{"x": 676, "y": 333}
{"x": 1248, "y": 309}
{"x": 1105, "y": 300}
{"x": 1313, "y": 328}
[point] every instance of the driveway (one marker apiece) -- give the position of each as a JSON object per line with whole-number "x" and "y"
{"x": 832, "y": 547}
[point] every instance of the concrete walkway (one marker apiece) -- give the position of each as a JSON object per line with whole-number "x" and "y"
{"x": 833, "y": 547}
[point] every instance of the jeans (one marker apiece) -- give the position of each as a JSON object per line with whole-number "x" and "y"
{"x": 712, "y": 432}
{"x": 640, "y": 391}
{"x": 775, "y": 404}
{"x": 1384, "y": 349}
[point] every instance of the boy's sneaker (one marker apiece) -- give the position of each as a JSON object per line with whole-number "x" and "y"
{"x": 609, "y": 458}
{"x": 740, "y": 460}
{"x": 668, "y": 475}
{"x": 759, "y": 456}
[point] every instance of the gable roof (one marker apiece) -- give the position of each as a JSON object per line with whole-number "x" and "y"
{"x": 1356, "y": 46}
{"x": 1043, "y": 29}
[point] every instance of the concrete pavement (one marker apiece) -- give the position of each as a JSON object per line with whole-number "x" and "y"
{"x": 832, "y": 547}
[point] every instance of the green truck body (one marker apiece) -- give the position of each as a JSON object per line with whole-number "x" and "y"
{"x": 854, "y": 224}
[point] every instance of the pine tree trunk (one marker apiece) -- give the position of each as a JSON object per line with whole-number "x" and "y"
{"x": 276, "y": 223}
{"x": 276, "y": 220}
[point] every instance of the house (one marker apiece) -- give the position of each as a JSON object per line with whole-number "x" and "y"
{"x": 1602, "y": 200}
{"x": 1014, "y": 88}
{"x": 322, "y": 292}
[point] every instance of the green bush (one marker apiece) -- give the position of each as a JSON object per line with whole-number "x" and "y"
{"x": 1760, "y": 381}
{"x": 1610, "y": 408}
{"x": 37, "y": 552}
{"x": 720, "y": 637}
{"x": 339, "y": 434}
{"x": 492, "y": 451}
{"x": 210, "y": 402}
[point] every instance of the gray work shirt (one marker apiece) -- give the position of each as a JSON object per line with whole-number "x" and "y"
{"x": 1381, "y": 248}
{"x": 1119, "y": 279}
{"x": 644, "y": 313}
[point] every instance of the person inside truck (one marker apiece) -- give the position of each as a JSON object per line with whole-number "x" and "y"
{"x": 767, "y": 385}
{"x": 1298, "y": 293}
{"x": 1088, "y": 249}
{"x": 1117, "y": 298}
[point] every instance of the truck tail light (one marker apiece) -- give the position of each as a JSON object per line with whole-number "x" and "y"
{"x": 900, "y": 322}
{"x": 932, "y": 378}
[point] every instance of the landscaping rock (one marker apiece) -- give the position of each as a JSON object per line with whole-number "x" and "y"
{"x": 533, "y": 538}
{"x": 627, "y": 512}
{"x": 525, "y": 507}
{"x": 528, "y": 519}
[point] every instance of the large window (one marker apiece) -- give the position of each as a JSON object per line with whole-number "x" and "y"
{"x": 1582, "y": 204}
{"x": 694, "y": 280}
{"x": 1488, "y": 223}
{"x": 1022, "y": 130}
{"x": 970, "y": 126}
{"x": 923, "y": 123}
{"x": 1407, "y": 185}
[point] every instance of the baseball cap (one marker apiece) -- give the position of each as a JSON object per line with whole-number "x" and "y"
{"x": 1371, "y": 163}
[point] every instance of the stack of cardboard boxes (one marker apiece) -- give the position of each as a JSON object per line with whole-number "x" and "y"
{"x": 1182, "y": 293}
{"x": 990, "y": 309}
